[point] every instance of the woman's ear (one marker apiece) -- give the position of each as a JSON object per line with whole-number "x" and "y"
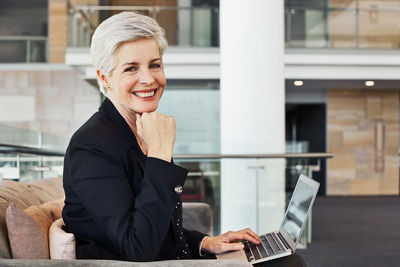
{"x": 104, "y": 79}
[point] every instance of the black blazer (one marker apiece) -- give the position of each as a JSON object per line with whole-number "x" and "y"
{"x": 119, "y": 203}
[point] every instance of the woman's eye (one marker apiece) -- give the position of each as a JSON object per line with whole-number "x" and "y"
{"x": 130, "y": 69}
{"x": 155, "y": 66}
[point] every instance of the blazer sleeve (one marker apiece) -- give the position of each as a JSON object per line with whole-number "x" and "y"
{"x": 135, "y": 225}
{"x": 193, "y": 239}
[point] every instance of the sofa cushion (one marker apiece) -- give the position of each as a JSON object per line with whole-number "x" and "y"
{"x": 28, "y": 230}
{"x": 62, "y": 244}
{"x": 24, "y": 195}
{"x": 197, "y": 216}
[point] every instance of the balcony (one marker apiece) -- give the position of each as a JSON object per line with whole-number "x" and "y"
{"x": 351, "y": 27}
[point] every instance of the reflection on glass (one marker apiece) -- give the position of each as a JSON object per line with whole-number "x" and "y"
{"x": 297, "y": 210}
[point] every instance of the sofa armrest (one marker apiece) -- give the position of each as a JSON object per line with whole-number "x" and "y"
{"x": 107, "y": 263}
{"x": 197, "y": 216}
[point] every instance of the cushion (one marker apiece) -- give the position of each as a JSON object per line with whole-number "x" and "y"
{"x": 62, "y": 244}
{"x": 28, "y": 230}
{"x": 24, "y": 195}
{"x": 197, "y": 216}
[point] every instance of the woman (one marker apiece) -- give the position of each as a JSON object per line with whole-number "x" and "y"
{"x": 122, "y": 189}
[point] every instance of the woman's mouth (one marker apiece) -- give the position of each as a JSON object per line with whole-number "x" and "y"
{"x": 145, "y": 93}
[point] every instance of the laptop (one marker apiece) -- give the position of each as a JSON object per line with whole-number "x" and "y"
{"x": 283, "y": 242}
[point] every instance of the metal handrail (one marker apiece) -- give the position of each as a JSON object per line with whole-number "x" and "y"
{"x": 140, "y": 8}
{"x": 22, "y": 38}
{"x": 343, "y": 9}
{"x": 14, "y": 149}
{"x": 257, "y": 156}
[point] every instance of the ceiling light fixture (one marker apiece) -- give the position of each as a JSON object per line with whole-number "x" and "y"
{"x": 369, "y": 83}
{"x": 298, "y": 83}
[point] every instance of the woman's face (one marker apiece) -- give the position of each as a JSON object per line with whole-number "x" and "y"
{"x": 137, "y": 81}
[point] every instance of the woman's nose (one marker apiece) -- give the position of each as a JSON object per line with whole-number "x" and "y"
{"x": 146, "y": 77}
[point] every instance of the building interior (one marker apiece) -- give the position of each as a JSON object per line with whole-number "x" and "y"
{"x": 261, "y": 91}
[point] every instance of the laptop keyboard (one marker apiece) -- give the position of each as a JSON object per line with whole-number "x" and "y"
{"x": 269, "y": 246}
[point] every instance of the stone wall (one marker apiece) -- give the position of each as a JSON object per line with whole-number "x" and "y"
{"x": 363, "y": 135}
{"x": 49, "y": 98}
{"x": 376, "y": 26}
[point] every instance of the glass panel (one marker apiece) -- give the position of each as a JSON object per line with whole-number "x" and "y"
{"x": 342, "y": 26}
{"x": 22, "y": 137}
{"x": 256, "y": 186}
{"x": 379, "y": 29}
{"x": 15, "y": 136}
{"x": 12, "y": 51}
{"x": 203, "y": 185}
{"x": 38, "y": 51}
{"x": 198, "y": 127}
{"x": 184, "y": 26}
{"x": 306, "y": 27}
{"x": 28, "y": 168}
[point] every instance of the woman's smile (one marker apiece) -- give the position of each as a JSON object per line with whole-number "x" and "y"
{"x": 146, "y": 95}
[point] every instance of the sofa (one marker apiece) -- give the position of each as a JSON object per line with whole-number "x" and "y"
{"x": 33, "y": 194}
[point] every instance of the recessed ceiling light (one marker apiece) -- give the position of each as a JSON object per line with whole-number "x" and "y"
{"x": 369, "y": 83}
{"x": 298, "y": 83}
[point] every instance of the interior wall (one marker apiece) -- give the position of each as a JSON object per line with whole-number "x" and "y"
{"x": 363, "y": 135}
{"x": 376, "y": 24}
{"x": 53, "y": 99}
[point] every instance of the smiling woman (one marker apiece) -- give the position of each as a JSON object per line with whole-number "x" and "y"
{"x": 122, "y": 189}
{"x": 137, "y": 81}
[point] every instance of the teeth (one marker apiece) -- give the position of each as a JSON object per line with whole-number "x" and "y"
{"x": 148, "y": 94}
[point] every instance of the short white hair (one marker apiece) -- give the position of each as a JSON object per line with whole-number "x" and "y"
{"x": 117, "y": 29}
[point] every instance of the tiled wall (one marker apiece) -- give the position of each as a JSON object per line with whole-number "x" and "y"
{"x": 51, "y": 99}
{"x": 376, "y": 24}
{"x": 363, "y": 135}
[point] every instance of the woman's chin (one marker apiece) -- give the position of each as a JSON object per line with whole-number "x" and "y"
{"x": 145, "y": 110}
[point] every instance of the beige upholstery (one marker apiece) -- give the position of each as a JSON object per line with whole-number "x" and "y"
{"x": 24, "y": 195}
{"x": 36, "y": 193}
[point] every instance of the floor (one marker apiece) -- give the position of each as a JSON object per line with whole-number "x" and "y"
{"x": 355, "y": 231}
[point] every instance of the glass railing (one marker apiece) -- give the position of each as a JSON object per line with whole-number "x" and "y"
{"x": 29, "y": 155}
{"x": 342, "y": 28}
{"x": 260, "y": 185}
{"x": 23, "y": 49}
{"x": 242, "y": 190}
{"x": 184, "y": 26}
{"x": 305, "y": 27}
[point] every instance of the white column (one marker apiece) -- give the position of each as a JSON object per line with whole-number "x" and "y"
{"x": 252, "y": 112}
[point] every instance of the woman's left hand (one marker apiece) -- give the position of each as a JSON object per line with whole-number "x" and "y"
{"x": 230, "y": 241}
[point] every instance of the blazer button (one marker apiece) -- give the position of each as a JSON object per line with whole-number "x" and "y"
{"x": 178, "y": 189}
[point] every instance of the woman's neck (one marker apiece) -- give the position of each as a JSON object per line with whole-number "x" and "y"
{"x": 130, "y": 118}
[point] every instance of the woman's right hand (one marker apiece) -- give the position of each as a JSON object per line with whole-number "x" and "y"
{"x": 157, "y": 132}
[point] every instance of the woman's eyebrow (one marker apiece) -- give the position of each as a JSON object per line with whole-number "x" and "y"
{"x": 130, "y": 63}
{"x": 136, "y": 63}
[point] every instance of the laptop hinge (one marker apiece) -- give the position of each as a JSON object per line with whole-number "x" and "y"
{"x": 284, "y": 241}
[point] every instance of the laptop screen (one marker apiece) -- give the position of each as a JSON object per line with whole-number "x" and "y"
{"x": 297, "y": 210}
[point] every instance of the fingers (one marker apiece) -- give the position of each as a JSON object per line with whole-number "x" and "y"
{"x": 245, "y": 234}
{"x": 157, "y": 132}
{"x": 218, "y": 245}
{"x": 230, "y": 246}
{"x": 252, "y": 234}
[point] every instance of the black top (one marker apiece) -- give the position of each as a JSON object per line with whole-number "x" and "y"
{"x": 119, "y": 203}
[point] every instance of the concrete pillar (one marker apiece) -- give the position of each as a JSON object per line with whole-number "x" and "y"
{"x": 252, "y": 113}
